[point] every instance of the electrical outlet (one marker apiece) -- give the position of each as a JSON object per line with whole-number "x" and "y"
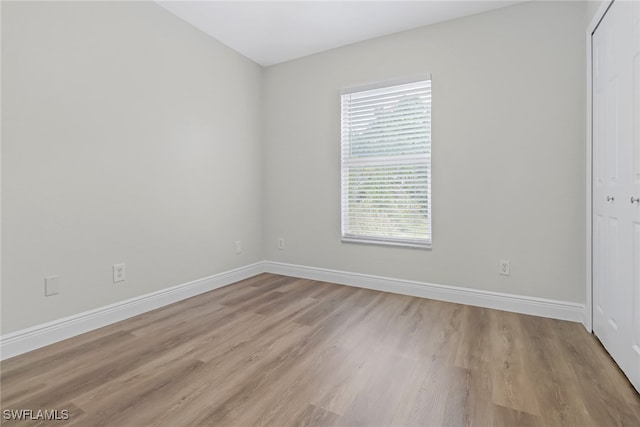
{"x": 51, "y": 285}
{"x": 119, "y": 273}
{"x": 238, "y": 246}
{"x": 505, "y": 269}
{"x": 281, "y": 243}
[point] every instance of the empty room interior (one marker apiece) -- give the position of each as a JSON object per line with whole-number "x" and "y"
{"x": 354, "y": 213}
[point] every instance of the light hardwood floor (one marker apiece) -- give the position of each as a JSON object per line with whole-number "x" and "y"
{"x": 274, "y": 350}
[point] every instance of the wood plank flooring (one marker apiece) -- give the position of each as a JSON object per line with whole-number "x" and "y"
{"x": 275, "y": 350}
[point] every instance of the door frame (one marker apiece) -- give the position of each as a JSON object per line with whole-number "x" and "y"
{"x": 591, "y": 28}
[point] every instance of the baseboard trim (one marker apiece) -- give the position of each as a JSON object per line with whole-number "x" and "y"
{"x": 38, "y": 336}
{"x": 543, "y": 307}
{"x": 25, "y": 340}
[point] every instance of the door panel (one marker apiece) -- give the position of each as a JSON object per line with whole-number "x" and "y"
{"x": 612, "y": 137}
{"x": 635, "y": 190}
{"x": 616, "y": 182}
{"x": 636, "y": 287}
{"x": 598, "y": 268}
{"x": 636, "y": 112}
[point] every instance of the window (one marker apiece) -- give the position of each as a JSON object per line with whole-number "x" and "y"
{"x": 386, "y": 165}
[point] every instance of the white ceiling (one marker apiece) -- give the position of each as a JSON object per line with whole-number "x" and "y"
{"x": 270, "y": 32}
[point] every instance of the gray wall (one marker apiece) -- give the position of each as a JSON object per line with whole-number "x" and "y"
{"x": 127, "y": 136}
{"x": 508, "y": 151}
{"x": 592, "y": 8}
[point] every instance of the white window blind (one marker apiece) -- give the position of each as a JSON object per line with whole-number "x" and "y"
{"x": 386, "y": 165}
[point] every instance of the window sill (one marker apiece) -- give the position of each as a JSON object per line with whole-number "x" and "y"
{"x": 378, "y": 242}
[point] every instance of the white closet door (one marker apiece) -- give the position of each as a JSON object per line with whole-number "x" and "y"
{"x": 616, "y": 184}
{"x": 635, "y": 188}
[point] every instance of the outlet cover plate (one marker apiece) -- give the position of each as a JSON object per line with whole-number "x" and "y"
{"x": 505, "y": 268}
{"x": 51, "y": 285}
{"x": 119, "y": 273}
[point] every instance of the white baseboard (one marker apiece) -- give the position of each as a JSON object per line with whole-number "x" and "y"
{"x": 38, "y": 336}
{"x": 508, "y": 302}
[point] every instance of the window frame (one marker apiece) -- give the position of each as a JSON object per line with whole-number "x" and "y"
{"x": 391, "y": 161}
